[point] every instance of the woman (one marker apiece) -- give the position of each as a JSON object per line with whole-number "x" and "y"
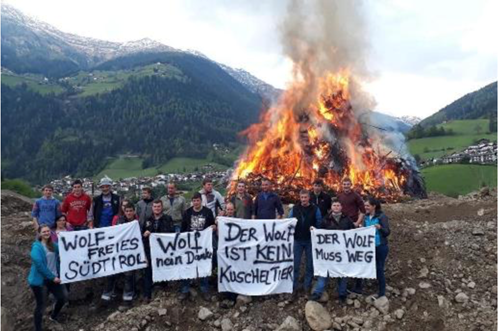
{"x": 375, "y": 217}
{"x": 45, "y": 273}
{"x": 124, "y": 203}
{"x": 61, "y": 226}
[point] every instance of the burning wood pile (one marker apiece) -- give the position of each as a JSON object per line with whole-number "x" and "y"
{"x": 296, "y": 143}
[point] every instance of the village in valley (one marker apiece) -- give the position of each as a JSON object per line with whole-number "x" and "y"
{"x": 483, "y": 152}
{"x": 131, "y": 187}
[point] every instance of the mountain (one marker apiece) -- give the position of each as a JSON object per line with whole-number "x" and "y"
{"x": 475, "y": 105}
{"x": 410, "y": 120}
{"x": 32, "y": 46}
{"x": 387, "y": 122}
{"x": 70, "y": 103}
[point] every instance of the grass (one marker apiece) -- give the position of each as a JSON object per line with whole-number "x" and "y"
{"x": 466, "y": 133}
{"x": 459, "y": 179}
{"x": 34, "y": 83}
{"x": 124, "y": 167}
{"x": 21, "y": 187}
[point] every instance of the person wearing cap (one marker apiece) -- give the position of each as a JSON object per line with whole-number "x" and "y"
{"x": 106, "y": 205}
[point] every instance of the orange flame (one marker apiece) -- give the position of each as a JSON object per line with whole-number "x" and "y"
{"x": 294, "y": 144}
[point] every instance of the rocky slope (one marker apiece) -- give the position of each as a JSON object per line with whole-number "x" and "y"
{"x": 441, "y": 275}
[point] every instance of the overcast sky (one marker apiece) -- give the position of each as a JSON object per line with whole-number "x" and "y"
{"x": 424, "y": 53}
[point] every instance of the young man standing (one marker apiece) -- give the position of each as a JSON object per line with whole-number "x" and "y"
{"x": 335, "y": 220}
{"x": 242, "y": 202}
{"x": 174, "y": 205}
{"x": 46, "y": 209}
{"x": 197, "y": 218}
{"x": 144, "y": 208}
{"x": 210, "y": 198}
{"x": 157, "y": 223}
{"x": 77, "y": 207}
{"x": 267, "y": 204}
{"x": 352, "y": 203}
{"x": 320, "y": 198}
{"x": 307, "y": 215}
{"x": 106, "y": 205}
{"x": 129, "y": 283}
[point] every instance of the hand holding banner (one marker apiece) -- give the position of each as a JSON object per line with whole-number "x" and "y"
{"x": 101, "y": 252}
{"x": 255, "y": 257}
{"x": 181, "y": 255}
{"x": 348, "y": 253}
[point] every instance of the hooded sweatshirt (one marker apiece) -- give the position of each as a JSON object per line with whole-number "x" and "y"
{"x": 77, "y": 208}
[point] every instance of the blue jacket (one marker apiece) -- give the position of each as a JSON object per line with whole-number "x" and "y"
{"x": 266, "y": 205}
{"x": 39, "y": 271}
{"x": 382, "y": 233}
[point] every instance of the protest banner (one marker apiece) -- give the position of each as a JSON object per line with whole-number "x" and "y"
{"x": 101, "y": 252}
{"x": 181, "y": 255}
{"x": 344, "y": 253}
{"x": 255, "y": 257}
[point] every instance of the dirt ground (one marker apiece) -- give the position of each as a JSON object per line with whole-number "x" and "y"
{"x": 441, "y": 275}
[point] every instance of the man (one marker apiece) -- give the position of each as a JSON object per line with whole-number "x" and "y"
{"x": 106, "y": 205}
{"x": 144, "y": 208}
{"x": 242, "y": 202}
{"x": 46, "y": 209}
{"x": 174, "y": 205}
{"x": 352, "y": 203}
{"x": 157, "y": 223}
{"x": 267, "y": 204}
{"x": 320, "y": 198}
{"x": 212, "y": 199}
{"x": 307, "y": 215}
{"x": 335, "y": 220}
{"x": 197, "y": 218}
{"x": 77, "y": 207}
{"x": 129, "y": 283}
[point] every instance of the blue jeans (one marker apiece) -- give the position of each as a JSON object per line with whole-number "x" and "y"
{"x": 177, "y": 228}
{"x": 381, "y": 253}
{"x": 203, "y": 285}
{"x": 148, "y": 282}
{"x": 300, "y": 246}
{"x": 323, "y": 282}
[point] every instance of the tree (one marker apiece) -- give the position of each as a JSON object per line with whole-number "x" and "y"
{"x": 492, "y": 124}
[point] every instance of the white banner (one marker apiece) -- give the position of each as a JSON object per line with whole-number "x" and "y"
{"x": 181, "y": 255}
{"x": 101, "y": 252}
{"x": 255, "y": 257}
{"x": 348, "y": 253}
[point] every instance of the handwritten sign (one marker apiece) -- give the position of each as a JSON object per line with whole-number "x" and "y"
{"x": 181, "y": 255}
{"x": 344, "y": 253}
{"x": 101, "y": 252}
{"x": 255, "y": 257}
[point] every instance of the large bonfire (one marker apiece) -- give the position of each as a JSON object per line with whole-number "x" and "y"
{"x": 296, "y": 143}
{"x": 314, "y": 131}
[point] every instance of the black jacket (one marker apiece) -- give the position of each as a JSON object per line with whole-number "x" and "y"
{"x": 98, "y": 205}
{"x": 330, "y": 223}
{"x": 323, "y": 201}
{"x": 164, "y": 224}
{"x": 306, "y": 217}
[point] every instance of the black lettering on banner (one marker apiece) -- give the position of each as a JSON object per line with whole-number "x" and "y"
{"x": 191, "y": 257}
{"x": 328, "y": 256}
{"x": 275, "y": 235}
{"x": 167, "y": 261}
{"x": 240, "y": 234}
{"x": 331, "y": 238}
{"x": 252, "y": 276}
{"x": 273, "y": 254}
{"x": 359, "y": 256}
{"x": 180, "y": 243}
{"x": 237, "y": 253}
{"x": 358, "y": 241}
{"x": 73, "y": 269}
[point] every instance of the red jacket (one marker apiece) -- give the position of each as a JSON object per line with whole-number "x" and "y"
{"x": 77, "y": 208}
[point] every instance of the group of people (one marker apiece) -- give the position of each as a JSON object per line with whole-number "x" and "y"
{"x": 172, "y": 213}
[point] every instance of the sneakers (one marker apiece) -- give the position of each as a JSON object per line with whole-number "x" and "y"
{"x": 355, "y": 292}
{"x": 315, "y": 297}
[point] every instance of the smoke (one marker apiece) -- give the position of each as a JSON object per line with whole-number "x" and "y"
{"x": 321, "y": 36}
